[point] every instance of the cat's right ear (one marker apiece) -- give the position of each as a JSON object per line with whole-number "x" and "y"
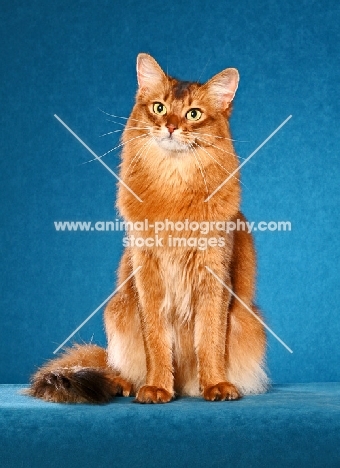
{"x": 149, "y": 73}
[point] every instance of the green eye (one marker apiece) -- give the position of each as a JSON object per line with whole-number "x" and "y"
{"x": 193, "y": 114}
{"x": 159, "y": 108}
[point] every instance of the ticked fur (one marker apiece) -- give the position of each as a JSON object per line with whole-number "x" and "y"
{"x": 173, "y": 328}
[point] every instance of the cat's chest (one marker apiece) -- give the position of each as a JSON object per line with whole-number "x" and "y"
{"x": 175, "y": 175}
{"x": 178, "y": 289}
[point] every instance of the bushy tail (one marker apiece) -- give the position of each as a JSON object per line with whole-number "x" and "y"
{"x": 80, "y": 375}
{"x": 246, "y": 339}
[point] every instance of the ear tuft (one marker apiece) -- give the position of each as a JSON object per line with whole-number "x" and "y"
{"x": 223, "y": 87}
{"x": 149, "y": 73}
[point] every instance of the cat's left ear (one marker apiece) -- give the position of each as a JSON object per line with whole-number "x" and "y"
{"x": 222, "y": 87}
{"x": 149, "y": 73}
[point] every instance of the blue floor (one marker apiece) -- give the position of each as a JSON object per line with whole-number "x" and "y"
{"x": 292, "y": 425}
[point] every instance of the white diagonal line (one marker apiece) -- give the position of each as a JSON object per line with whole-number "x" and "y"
{"x": 98, "y": 308}
{"x": 98, "y": 159}
{"x": 248, "y": 158}
{"x": 249, "y": 310}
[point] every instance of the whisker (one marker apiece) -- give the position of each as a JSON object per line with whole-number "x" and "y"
{"x": 126, "y": 128}
{"x": 217, "y": 162}
{"x": 119, "y": 117}
{"x": 118, "y": 123}
{"x": 110, "y": 133}
{"x": 213, "y": 136}
{"x": 139, "y": 153}
{"x": 212, "y": 157}
{"x": 199, "y": 165}
{"x": 226, "y": 138}
{"x": 144, "y": 153}
{"x": 217, "y": 147}
{"x": 124, "y": 143}
{"x": 118, "y": 146}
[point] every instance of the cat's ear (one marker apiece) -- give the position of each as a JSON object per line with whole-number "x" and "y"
{"x": 222, "y": 87}
{"x": 149, "y": 73}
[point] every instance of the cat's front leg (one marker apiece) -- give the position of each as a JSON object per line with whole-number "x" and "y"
{"x": 159, "y": 387}
{"x": 211, "y": 311}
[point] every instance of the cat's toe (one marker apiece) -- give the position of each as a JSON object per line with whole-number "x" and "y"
{"x": 221, "y": 392}
{"x": 121, "y": 386}
{"x": 152, "y": 394}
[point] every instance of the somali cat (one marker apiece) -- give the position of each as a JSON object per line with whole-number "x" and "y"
{"x": 174, "y": 328}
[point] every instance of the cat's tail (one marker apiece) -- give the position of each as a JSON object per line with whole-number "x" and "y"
{"x": 246, "y": 338}
{"x": 80, "y": 375}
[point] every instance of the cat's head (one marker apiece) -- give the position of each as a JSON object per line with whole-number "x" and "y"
{"x": 176, "y": 112}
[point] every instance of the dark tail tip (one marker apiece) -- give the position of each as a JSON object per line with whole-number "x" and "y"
{"x": 92, "y": 385}
{"x": 85, "y": 385}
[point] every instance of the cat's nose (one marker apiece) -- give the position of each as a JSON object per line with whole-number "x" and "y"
{"x": 172, "y": 123}
{"x": 171, "y": 128}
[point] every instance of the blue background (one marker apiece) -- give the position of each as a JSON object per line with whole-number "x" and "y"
{"x": 71, "y": 58}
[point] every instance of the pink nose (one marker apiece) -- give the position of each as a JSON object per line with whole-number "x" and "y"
{"x": 171, "y": 128}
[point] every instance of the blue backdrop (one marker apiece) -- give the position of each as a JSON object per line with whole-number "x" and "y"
{"x": 71, "y": 58}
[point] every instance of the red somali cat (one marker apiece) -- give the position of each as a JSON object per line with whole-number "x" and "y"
{"x": 174, "y": 328}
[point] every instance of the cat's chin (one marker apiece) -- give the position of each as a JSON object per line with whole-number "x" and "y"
{"x": 173, "y": 146}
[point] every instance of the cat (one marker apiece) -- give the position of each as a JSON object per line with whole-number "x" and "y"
{"x": 174, "y": 328}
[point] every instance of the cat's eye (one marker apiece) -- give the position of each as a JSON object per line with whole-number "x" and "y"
{"x": 193, "y": 114}
{"x": 159, "y": 108}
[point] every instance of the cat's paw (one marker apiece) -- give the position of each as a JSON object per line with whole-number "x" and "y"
{"x": 151, "y": 394}
{"x": 221, "y": 392}
{"x": 121, "y": 386}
